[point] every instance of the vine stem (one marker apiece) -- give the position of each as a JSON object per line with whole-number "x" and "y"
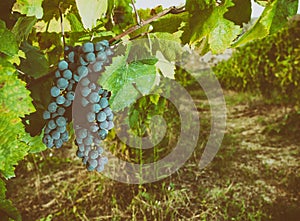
{"x": 62, "y": 24}
{"x": 172, "y": 10}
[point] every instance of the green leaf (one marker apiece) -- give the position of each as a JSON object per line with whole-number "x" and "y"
{"x": 15, "y": 103}
{"x": 169, "y": 23}
{"x": 90, "y": 11}
{"x": 76, "y": 25}
{"x": 23, "y": 28}
{"x": 127, "y": 81}
{"x": 166, "y": 67}
{"x": 211, "y": 26}
{"x": 35, "y": 64}
{"x": 7, "y": 210}
{"x": 8, "y": 41}
{"x": 273, "y": 18}
{"x": 29, "y": 8}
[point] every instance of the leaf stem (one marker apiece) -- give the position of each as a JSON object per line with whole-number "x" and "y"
{"x": 62, "y": 25}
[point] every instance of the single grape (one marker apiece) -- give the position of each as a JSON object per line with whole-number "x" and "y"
{"x": 92, "y": 164}
{"x": 81, "y": 147}
{"x": 108, "y": 111}
{"x": 76, "y": 78}
{"x": 57, "y": 74}
{"x": 79, "y": 141}
{"x": 48, "y": 141}
{"x": 67, "y": 103}
{"x": 82, "y": 133}
{"x": 97, "y": 67}
{"x": 46, "y": 115}
{"x": 101, "y": 56}
{"x": 100, "y": 150}
{"x": 100, "y": 168}
{"x": 80, "y": 154}
{"x": 47, "y": 130}
{"x": 62, "y": 83}
{"x": 103, "y": 102}
{"x": 110, "y": 117}
{"x": 70, "y": 95}
{"x": 55, "y": 135}
{"x": 101, "y": 91}
{"x": 94, "y": 128}
{"x": 60, "y": 100}
{"x": 101, "y": 116}
{"x": 92, "y": 86}
{"x": 61, "y": 121}
{"x": 52, "y": 107}
{"x": 88, "y": 47}
{"x": 103, "y": 134}
{"x": 105, "y": 43}
{"x": 52, "y": 125}
{"x": 87, "y": 150}
{"x": 85, "y": 91}
{"x": 85, "y": 82}
{"x": 67, "y": 74}
{"x": 82, "y": 71}
{"x": 90, "y": 57}
{"x": 94, "y": 98}
{"x": 93, "y": 154}
{"x": 71, "y": 57}
{"x": 61, "y": 129}
{"x": 99, "y": 46}
{"x": 85, "y": 160}
{"x": 58, "y": 143}
{"x": 64, "y": 136}
{"x": 55, "y": 91}
{"x": 82, "y": 61}
{"x": 104, "y": 125}
{"x": 63, "y": 65}
{"x": 95, "y": 108}
{"x": 84, "y": 102}
{"x": 88, "y": 141}
{"x": 91, "y": 117}
{"x": 61, "y": 111}
{"x": 110, "y": 125}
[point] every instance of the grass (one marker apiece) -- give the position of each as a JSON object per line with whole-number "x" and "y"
{"x": 249, "y": 179}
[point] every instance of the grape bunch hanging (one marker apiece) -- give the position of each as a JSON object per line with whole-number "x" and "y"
{"x": 92, "y": 115}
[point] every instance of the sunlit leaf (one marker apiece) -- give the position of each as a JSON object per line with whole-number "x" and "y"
{"x": 90, "y": 11}
{"x": 29, "y": 8}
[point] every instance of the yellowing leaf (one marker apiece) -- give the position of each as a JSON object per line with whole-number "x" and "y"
{"x": 91, "y": 10}
{"x": 29, "y": 8}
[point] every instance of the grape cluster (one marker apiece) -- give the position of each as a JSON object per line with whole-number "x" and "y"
{"x": 62, "y": 93}
{"x": 93, "y": 117}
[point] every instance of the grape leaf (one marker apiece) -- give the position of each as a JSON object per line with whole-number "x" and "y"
{"x": 90, "y": 11}
{"x": 7, "y": 210}
{"x": 15, "y": 103}
{"x": 273, "y": 18}
{"x": 29, "y": 8}
{"x": 8, "y": 41}
{"x": 166, "y": 67}
{"x": 35, "y": 64}
{"x": 169, "y": 23}
{"x": 76, "y": 25}
{"x": 127, "y": 81}
{"x": 23, "y": 27}
{"x": 210, "y": 25}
